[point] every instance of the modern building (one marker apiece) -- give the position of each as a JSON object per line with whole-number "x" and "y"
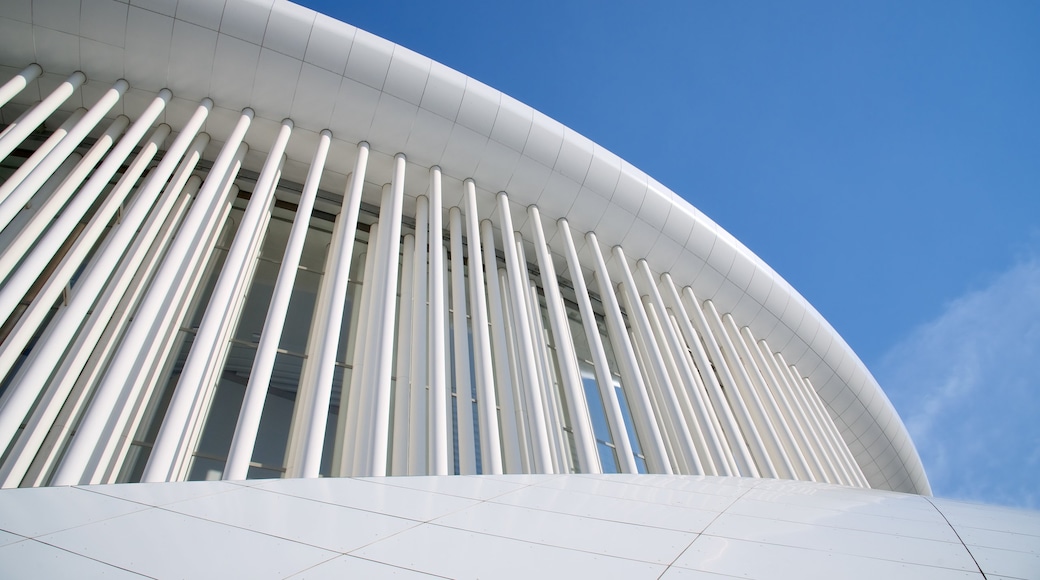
{"x": 243, "y": 241}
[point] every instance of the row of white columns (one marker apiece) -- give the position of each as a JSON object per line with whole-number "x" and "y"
{"x": 703, "y": 394}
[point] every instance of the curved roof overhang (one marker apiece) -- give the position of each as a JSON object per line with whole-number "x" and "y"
{"x": 284, "y": 60}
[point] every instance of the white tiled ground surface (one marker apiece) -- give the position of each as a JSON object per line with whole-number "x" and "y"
{"x": 605, "y": 526}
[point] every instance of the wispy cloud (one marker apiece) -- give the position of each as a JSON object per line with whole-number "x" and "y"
{"x": 967, "y": 384}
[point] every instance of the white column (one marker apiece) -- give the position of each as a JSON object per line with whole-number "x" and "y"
{"x": 490, "y": 448}
{"x": 650, "y": 436}
{"x": 19, "y": 82}
{"x": 17, "y": 199}
{"x": 639, "y": 320}
{"x": 772, "y": 403}
{"x": 46, "y": 431}
{"x": 550, "y": 396}
{"x": 358, "y": 433}
{"x": 750, "y": 411}
{"x": 577, "y": 406}
{"x": 835, "y": 442}
{"x": 41, "y": 153}
{"x": 460, "y": 338}
{"x": 35, "y": 373}
{"x": 681, "y": 393}
{"x": 653, "y": 390}
{"x": 605, "y": 382}
{"x": 337, "y": 269}
{"x": 755, "y": 395}
{"x": 348, "y": 439}
{"x": 792, "y": 410}
{"x": 244, "y": 439}
{"x": 541, "y": 452}
{"x": 503, "y": 381}
{"x": 381, "y": 329}
{"x": 714, "y": 441}
{"x": 837, "y": 473}
{"x": 841, "y": 448}
{"x": 744, "y": 464}
{"x": 124, "y": 367}
{"x": 42, "y": 220}
{"x": 761, "y": 466}
{"x": 17, "y": 131}
{"x": 180, "y": 294}
{"x": 58, "y": 278}
{"x": 439, "y": 417}
{"x": 419, "y": 340}
{"x": 516, "y": 384}
{"x": 165, "y": 331}
{"x": 402, "y": 381}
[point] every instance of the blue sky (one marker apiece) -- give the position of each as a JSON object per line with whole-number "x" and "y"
{"x": 883, "y": 157}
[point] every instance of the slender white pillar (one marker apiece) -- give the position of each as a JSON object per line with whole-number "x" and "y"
{"x": 124, "y": 367}
{"x": 164, "y": 332}
{"x": 417, "y": 443}
{"x": 199, "y": 238}
{"x": 541, "y": 452}
{"x": 17, "y": 131}
{"x": 461, "y": 342}
{"x": 761, "y": 466}
{"x": 35, "y": 373}
{"x": 56, "y": 281}
{"x": 750, "y": 415}
{"x": 13, "y": 204}
{"x": 402, "y": 382}
{"x": 440, "y": 420}
{"x": 684, "y": 357}
{"x": 41, "y": 153}
{"x": 60, "y": 229}
{"x": 611, "y": 406}
{"x": 714, "y": 441}
{"x": 503, "y": 381}
{"x": 19, "y": 82}
{"x": 669, "y": 431}
{"x": 825, "y": 425}
{"x": 793, "y": 411}
{"x": 835, "y": 470}
{"x": 516, "y": 384}
{"x": 639, "y": 320}
{"x": 381, "y": 329}
{"x": 772, "y": 401}
{"x": 744, "y": 464}
{"x": 42, "y": 224}
{"x": 94, "y": 279}
{"x": 756, "y": 395}
{"x": 650, "y": 436}
{"x": 560, "y": 448}
{"x": 330, "y": 321}
{"x": 841, "y": 448}
{"x": 244, "y": 439}
{"x": 490, "y": 449}
{"x": 358, "y": 433}
{"x": 450, "y": 420}
{"x": 577, "y": 406}
{"x": 698, "y": 425}
{"x": 347, "y": 433}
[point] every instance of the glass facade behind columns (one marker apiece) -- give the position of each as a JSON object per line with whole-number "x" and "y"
{"x": 539, "y": 389}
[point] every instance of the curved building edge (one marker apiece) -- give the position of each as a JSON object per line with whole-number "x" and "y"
{"x": 283, "y": 60}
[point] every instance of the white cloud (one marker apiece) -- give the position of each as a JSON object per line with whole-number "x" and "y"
{"x": 967, "y": 385}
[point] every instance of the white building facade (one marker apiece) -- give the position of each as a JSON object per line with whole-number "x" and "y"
{"x": 243, "y": 240}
